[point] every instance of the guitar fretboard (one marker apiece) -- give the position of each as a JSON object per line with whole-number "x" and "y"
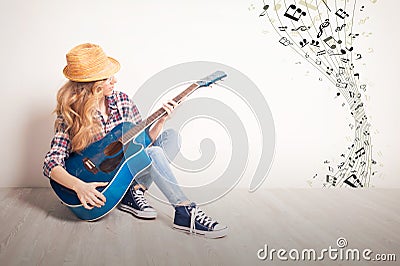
{"x": 133, "y": 132}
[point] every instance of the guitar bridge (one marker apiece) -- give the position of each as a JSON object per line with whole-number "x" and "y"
{"x": 90, "y": 166}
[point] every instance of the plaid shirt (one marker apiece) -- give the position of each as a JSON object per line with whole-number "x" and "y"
{"x": 121, "y": 109}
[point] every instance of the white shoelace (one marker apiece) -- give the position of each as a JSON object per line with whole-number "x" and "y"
{"x": 197, "y": 214}
{"x": 140, "y": 199}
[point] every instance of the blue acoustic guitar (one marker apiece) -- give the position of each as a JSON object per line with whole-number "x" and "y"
{"x": 117, "y": 158}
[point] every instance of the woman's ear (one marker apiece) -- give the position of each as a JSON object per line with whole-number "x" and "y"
{"x": 98, "y": 87}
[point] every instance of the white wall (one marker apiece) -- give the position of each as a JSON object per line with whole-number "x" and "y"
{"x": 149, "y": 36}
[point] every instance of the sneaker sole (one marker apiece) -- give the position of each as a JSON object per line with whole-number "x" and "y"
{"x": 138, "y": 214}
{"x": 207, "y": 234}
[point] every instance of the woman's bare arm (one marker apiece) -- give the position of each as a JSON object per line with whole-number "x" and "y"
{"x": 86, "y": 192}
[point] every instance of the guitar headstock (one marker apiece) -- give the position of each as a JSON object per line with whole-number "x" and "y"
{"x": 210, "y": 79}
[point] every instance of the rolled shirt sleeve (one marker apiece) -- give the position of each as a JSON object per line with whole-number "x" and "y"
{"x": 60, "y": 148}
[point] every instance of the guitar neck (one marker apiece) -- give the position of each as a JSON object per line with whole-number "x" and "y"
{"x": 132, "y": 133}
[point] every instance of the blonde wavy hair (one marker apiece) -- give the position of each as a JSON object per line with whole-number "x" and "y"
{"x": 76, "y": 106}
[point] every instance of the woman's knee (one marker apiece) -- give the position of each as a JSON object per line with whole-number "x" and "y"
{"x": 155, "y": 150}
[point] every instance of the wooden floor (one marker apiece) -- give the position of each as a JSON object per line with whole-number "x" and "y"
{"x": 37, "y": 230}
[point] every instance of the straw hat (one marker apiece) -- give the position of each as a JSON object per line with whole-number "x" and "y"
{"x": 88, "y": 62}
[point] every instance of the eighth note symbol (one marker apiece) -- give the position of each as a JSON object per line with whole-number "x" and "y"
{"x": 265, "y": 10}
{"x": 295, "y": 13}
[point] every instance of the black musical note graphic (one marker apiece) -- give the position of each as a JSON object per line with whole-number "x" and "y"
{"x": 303, "y": 43}
{"x": 265, "y": 10}
{"x": 342, "y": 52}
{"x": 340, "y": 28}
{"x": 314, "y": 43}
{"x": 322, "y": 26}
{"x": 331, "y": 179}
{"x": 353, "y": 36}
{"x": 282, "y": 28}
{"x": 334, "y": 55}
{"x": 302, "y": 28}
{"x": 351, "y": 162}
{"x": 294, "y": 13}
{"x": 342, "y": 85}
{"x": 341, "y": 71}
{"x": 353, "y": 181}
{"x": 331, "y": 42}
{"x": 360, "y": 153}
{"x": 341, "y": 13}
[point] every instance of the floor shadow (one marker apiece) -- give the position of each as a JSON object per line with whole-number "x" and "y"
{"x": 44, "y": 200}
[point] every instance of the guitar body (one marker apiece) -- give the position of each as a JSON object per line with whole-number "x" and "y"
{"x": 106, "y": 160}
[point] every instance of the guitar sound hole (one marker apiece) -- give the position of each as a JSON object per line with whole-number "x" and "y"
{"x": 113, "y": 148}
{"x": 109, "y": 165}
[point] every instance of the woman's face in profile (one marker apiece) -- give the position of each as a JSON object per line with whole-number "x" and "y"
{"x": 109, "y": 86}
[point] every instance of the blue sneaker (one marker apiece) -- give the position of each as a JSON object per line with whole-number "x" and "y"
{"x": 193, "y": 220}
{"x": 135, "y": 203}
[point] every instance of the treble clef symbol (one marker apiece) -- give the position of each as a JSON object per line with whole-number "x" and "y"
{"x": 322, "y": 26}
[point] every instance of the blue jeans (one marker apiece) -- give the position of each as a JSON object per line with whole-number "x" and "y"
{"x": 168, "y": 143}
